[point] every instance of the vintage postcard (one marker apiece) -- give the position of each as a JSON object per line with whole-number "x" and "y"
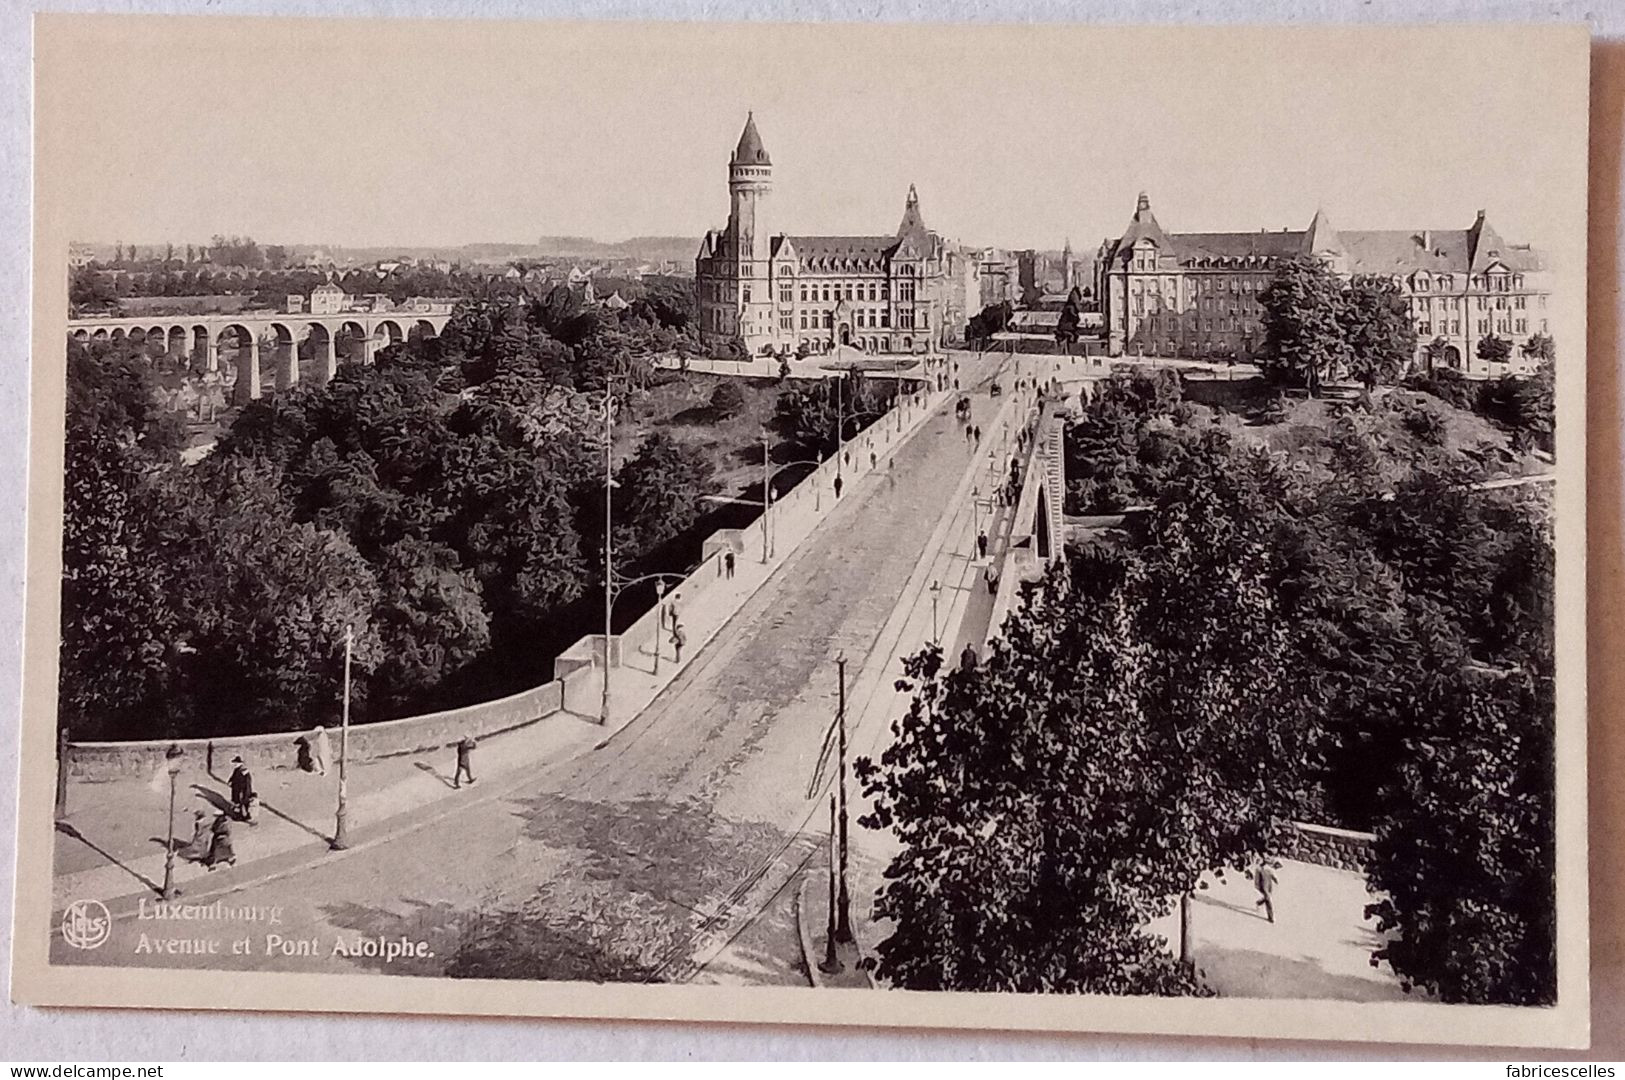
{"x": 980, "y": 526}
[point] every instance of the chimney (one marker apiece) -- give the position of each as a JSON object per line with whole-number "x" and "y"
{"x": 1481, "y": 217}
{"x": 1427, "y": 239}
{"x": 1144, "y": 202}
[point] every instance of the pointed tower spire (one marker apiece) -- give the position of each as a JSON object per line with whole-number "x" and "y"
{"x": 912, "y": 222}
{"x": 750, "y": 150}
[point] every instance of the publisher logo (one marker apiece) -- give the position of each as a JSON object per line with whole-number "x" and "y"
{"x": 86, "y": 924}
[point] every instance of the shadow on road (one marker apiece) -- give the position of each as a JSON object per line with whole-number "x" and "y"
{"x": 68, "y": 830}
{"x": 548, "y": 937}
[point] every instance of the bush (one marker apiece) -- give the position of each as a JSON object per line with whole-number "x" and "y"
{"x": 1424, "y": 422}
{"x": 727, "y": 399}
{"x": 1448, "y": 386}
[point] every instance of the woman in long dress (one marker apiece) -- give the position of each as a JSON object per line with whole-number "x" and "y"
{"x": 220, "y": 849}
{"x": 197, "y": 849}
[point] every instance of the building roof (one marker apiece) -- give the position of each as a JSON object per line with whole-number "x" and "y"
{"x": 750, "y": 150}
{"x": 1370, "y": 251}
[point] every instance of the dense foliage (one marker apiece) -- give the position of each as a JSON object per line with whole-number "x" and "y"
{"x": 814, "y": 416}
{"x": 1318, "y": 326}
{"x": 1270, "y": 638}
{"x": 447, "y": 503}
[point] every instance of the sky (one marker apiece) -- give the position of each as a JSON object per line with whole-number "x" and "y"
{"x": 414, "y": 132}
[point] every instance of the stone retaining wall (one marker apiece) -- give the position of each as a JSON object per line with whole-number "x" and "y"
{"x": 1324, "y": 845}
{"x": 94, "y": 761}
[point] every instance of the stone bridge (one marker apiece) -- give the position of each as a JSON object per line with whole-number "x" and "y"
{"x": 302, "y": 345}
{"x": 1037, "y": 530}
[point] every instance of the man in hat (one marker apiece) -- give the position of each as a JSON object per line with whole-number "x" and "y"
{"x": 242, "y": 790}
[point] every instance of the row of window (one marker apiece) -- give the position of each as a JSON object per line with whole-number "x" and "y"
{"x": 862, "y": 318}
{"x": 1446, "y": 282}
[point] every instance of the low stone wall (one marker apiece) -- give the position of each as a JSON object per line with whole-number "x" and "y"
{"x": 1323, "y": 845}
{"x": 98, "y": 761}
{"x": 575, "y": 686}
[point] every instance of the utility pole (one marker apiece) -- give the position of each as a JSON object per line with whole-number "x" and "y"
{"x": 609, "y": 529}
{"x": 1185, "y": 959}
{"x": 341, "y": 826}
{"x": 843, "y": 925}
{"x": 840, "y": 426}
{"x": 767, "y": 497}
{"x": 62, "y": 773}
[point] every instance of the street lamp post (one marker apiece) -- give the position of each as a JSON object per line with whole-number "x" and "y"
{"x": 660, "y": 618}
{"x": 936, "y": 590}
{"x": 831, "y": 962}
{"x": 843, "y": 925}
{"x": 341, "y": 825}
{"x": 172, "y": 763}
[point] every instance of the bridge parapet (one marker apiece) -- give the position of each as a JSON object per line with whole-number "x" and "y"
{"x": 1037, "y": 526}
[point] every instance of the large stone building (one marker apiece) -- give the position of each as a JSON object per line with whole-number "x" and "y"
{"x": 1196, "y": 294}
{"x": 773, "y": 292}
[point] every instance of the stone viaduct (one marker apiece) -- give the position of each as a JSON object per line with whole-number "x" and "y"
{"x": 301, "y": 345}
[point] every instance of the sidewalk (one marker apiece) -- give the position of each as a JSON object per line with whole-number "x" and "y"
{"x": 114, "y": 840}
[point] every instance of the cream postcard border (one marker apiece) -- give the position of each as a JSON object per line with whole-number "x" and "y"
{"x": 1559, "y": 53}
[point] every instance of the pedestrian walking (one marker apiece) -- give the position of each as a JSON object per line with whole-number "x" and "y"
{"x": 1264, "y": 882}
{"x": 197, "y": 848}
{"x": 977, "y": 433}
{"x": 992, "y": 578}
{"x": 728, "y": 564}
{"x": 981, "y": 542}
{"x": 837, "y": 487}
{"x": 465, "y": 748}
{"x": 873, "y": 460}
{"x": 320, "y": 751}
{"x": 302, "y": 756}
{"x": 221, "y": 849}
{"x": 891, "y": 472}
{"x": 969, "y": 658}
{"x": 678, "y": 638}
{"x": 242, "y": 790}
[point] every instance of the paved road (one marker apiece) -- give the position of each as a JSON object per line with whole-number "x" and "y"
{"x": 664, "y": 854}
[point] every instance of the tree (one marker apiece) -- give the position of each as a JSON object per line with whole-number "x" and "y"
{"x": 1028, "y": 859}
{"x": 430, "y": 622}
{"x": 1066, "y": 327}
{"x": 1464, "y": 858}
{"x": 727, "y": 399}
{"x": 1381, "y": 337}
{"x": 1437, "y": 352}
{"x": 120, "y": 615}
{"x": 992, "y": 319}
{"x": 1541, "y": 347}
{"x": 1303, "y": 316}
{"x": 658, "y": 493}
{"x": 1495, "y": 350}
{"x": 1137, "y": 725}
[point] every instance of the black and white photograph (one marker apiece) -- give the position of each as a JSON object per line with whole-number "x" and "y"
{"x": 1044, "y": 527}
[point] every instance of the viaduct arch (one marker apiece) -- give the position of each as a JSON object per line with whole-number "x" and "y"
{"x": 295, "y": 346}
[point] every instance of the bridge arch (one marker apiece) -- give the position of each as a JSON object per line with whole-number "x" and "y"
{"x": 422, "y": 330}
{"x": 353, "y": 343}
{"x": 386, "y": 333}
{"x": 245, "y": 363}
